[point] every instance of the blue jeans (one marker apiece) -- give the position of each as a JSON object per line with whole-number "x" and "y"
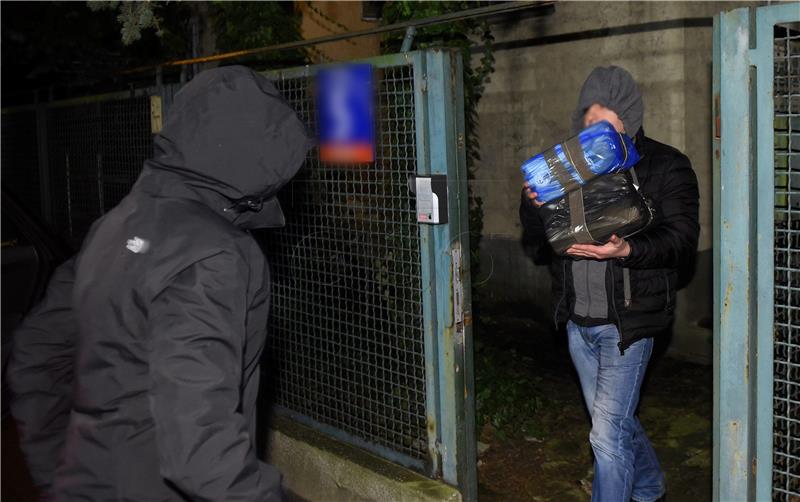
{"x": 625, "y": 464}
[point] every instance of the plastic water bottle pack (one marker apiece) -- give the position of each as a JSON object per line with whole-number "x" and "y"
{"x": 599, "y": 149}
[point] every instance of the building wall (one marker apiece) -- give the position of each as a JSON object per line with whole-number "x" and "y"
{"x": 541, "y": 63}
{"x": 328, "y": 18}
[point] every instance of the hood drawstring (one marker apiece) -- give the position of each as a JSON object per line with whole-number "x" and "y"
{"x": 254, "y": 204}
{"x": 232, "y": 138}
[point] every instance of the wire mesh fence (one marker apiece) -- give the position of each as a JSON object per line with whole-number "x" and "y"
{"x": 786, "y": 383}
{"x": 347, "y": 314}
{"x": 95, "y": 153}
{"x": 347, "y": 323}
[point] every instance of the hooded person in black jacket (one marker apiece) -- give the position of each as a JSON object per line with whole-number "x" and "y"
{"x": 616, "y": 297}
{"x": 136, "y": 377}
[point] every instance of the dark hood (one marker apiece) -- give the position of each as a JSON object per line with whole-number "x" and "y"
{"x": 614, "y": 88}
{"x": 231, "y": 141}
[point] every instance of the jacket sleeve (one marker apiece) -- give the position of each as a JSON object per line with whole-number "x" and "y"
{"x": 40, "y": 374}
{"x": 674, "y": 239}
{"x": 534, "y": 238}
{"x": 197, "y": 327}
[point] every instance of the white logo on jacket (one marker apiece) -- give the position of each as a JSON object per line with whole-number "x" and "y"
{"x": 138, "y": 245}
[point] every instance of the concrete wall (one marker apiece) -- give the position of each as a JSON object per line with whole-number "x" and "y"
{"x": 541, "y": 63}
{"x": 317, "y": 468}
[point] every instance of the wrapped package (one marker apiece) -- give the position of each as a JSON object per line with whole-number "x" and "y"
{"x": 599, "y": 149}
{"x": 607, "y": 205}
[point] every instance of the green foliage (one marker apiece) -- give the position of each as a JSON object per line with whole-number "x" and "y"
{"x": 462, "y": 35}
{"x": 249, "y": 25}
{"x": 507, "y": 395}
{"x": 236, "y": 25}
{"x": 134, "y": 17}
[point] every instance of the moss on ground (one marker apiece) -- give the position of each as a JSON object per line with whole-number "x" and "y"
{"x": 540, "y": 451}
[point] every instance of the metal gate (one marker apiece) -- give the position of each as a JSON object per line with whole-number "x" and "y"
{"x": 371, "y": 311}
{"x": 757, "y": 253}
{"x": 370, "y": 324}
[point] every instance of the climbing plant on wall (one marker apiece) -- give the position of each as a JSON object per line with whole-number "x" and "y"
{"x": 464, "y": 35}
{"x": 248, "y": 25}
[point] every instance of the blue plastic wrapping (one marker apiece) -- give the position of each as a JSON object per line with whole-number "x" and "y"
{"x": 599, "y": 149}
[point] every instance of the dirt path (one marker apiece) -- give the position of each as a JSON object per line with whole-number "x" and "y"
{"x": 552, "y": 460}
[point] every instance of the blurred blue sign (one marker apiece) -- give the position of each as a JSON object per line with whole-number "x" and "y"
{"x": 345, "y": 114}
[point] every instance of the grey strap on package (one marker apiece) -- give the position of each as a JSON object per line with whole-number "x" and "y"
{"x": 626, "y": 285}
{"x": 646, "y": 206}
{"x": 624, "y": 147}
{"x": 635, "y": 178}
{"x": 559, "y": 170}
{"x": 572, "y": 148}
{"x": 578, "y": 218}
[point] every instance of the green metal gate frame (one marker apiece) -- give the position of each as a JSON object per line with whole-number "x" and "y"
{"x": 444, "y": 254}
{"x": 744, "y": 198}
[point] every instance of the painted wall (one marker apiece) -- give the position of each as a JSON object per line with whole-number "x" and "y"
{"x": 329, "y": 18}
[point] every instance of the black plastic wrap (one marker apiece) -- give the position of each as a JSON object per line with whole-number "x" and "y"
{"x": 607, "y": 205}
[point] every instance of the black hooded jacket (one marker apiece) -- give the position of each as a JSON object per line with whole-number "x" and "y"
{"x": 666, "y": 178}
{"x": 136, "y": 377}
{"x": 668, "y": 244}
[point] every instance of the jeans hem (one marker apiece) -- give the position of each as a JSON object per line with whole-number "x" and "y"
{"x": 649, "y": 500}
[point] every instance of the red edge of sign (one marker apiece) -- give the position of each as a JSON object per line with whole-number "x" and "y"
{"x": 343, "y": 154}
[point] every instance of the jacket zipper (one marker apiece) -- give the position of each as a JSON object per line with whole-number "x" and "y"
{"x": 614, "y": 305}
{"x": 563, "y": 291}
{"x": 669, "y": 301}
{"x": 588, "y": 294}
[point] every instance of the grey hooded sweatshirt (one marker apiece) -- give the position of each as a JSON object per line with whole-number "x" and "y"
{"x": 614, "y": 88}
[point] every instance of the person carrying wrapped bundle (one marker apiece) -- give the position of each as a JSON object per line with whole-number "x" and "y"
{"x": 615, "y": 297}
